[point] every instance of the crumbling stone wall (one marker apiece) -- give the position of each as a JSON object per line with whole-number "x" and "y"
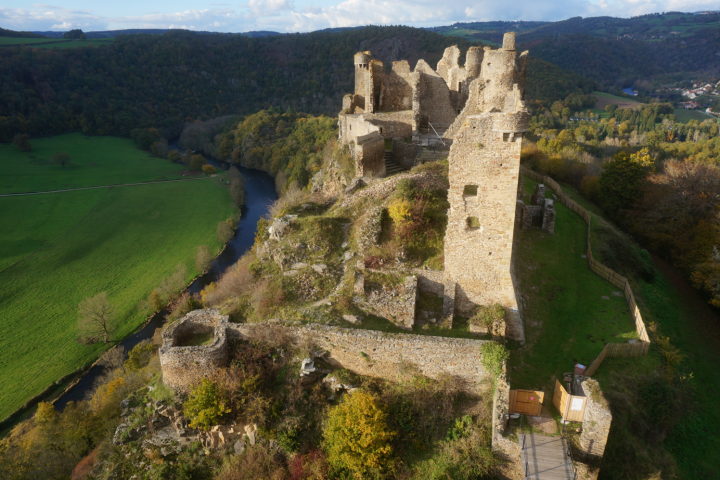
{"x": 392, "y": 124}
{"x": 397, "y": 89}
{"x": 405, "y": 153}
{"x": 370, "y": 155}
{"x": 484, "y": 170}
{"x": 431, "y": 96}
{"x": 183, "y": 367}
{"x": 596, "y": 421}
{"x": 381, "y": 354}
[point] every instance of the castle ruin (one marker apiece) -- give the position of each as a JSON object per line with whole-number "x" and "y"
{"x": 479, "y": 109}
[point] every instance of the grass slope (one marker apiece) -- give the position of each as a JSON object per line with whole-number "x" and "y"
{"x": 60, "y": 248}
{"x": 26, "y": 41}
{"x": 95, "y": 161}
{"x": 694, "y": 328}
{"x": 566, "y": 319}
{"x": 684, "y": 116}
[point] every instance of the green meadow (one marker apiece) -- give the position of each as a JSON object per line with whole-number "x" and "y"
{"x": 566, "y": 318}
{"x": 53, "y": 42}
{"x": 59, "y": 248}
{"x": 684, "y": 116}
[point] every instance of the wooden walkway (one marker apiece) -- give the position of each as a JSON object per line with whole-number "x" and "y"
{"x": 545, "y": 458}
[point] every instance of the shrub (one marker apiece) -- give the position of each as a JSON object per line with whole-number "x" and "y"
{"x": 207, "y": 168}
{"x": 406, "y": 189}
{"x": 257, "y": 462}
{"x": 197, "y": 162}
{"x": 140, "y": 355}
{"x": 493, "y": 356}
{"x": 489, "y": 316}
{"x": 205, "y": 405}
{"x": 399, "y": 211}
{"x": 203, "y": 257}
{"x": 590, "y": 187}
{"x": 22, "y": 142}
{"x": 173, "y": 156}
{"x": 357, "y": 437}
{"x": 225, "y": 231}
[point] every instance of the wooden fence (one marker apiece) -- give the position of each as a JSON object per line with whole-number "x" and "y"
{"x": 637, "y": 349}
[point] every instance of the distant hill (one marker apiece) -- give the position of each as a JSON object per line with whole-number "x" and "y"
{"x": 615, "y": 51}
{"x": 162, "y": 81}
{"x": 14, "y": 34}
{"x": 152, "y": 31}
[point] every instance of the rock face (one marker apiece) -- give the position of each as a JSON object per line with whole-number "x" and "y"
{"x": 184, "y": 366}
{"x": 596, "y": 422}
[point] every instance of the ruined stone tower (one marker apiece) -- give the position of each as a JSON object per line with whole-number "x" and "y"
{"x": 484, "y": 168}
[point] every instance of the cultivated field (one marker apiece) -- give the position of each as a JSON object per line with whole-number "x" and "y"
{"x": 56, "y": 249}
{"x": 684, "y": 116}
{"x": 605, "y": 99}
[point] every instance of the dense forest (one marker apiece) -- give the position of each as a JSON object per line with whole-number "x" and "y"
{"x": 163, "y": 81}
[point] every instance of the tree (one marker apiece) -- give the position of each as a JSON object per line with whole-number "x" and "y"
{"x": 225, "y": 231}
{"x": 237, "y": 186}
{"x": 205, "y": 405}
{"x": 74, "y": 34}
{"x": 96, "y": 318}
{"x": 22, "y": 142}
{"x": 621, "y": 182}
{"x": 611, "y": 108}
{"x": 197, "y": 162}
{"x": 203, "y": 257}
{"x": 173, "y": 156}
{"x": 114, "y": 358}
{"x": 61, "y": 158}
{"x": 207, "y": 168}
{"x": 140, "y": 355}
{"x": 357, "y": 436}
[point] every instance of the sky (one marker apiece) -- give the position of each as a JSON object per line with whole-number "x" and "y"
{"x": 309, "y": 15}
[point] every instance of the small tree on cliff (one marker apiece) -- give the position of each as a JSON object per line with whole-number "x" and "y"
{"x": 96, "y": 318}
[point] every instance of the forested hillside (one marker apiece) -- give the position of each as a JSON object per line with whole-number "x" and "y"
{"x": 162, "y": 81}
{"x": 614, "y": 51}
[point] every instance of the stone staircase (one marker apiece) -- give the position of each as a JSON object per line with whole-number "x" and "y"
{"x": 391, "y": 168}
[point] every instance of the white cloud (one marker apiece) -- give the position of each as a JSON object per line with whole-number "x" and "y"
{"x": 301, "y": 16}
{"x": 50, "y": 17}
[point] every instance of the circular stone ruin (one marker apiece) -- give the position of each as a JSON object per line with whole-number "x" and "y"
{"x": 193, "y": 348}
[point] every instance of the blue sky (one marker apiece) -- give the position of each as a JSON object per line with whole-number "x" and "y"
{"x": 308, "y": 15}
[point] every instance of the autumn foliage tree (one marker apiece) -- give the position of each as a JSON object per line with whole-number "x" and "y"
{"x": 357, "y": 436}
{"x": 96, "y": 318}
{"x": 621, "y": 182}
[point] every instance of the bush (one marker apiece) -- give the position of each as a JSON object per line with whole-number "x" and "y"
{"x": 357, "y": 437}
{"x": 22, "y": 142}
{"x": 203, "y": 258}
{"x": 225, "y": 231}
{"x": 173, "y": 155}
{"x": 207, "y": 168}
{"x": 489, "y": 317}
{"x": 206, "y": 405}
{"x": 493, "y": 357}
{"x": 257, "y": 462}
{"x": 140, "y": 356}
{"x": 590, "y": 187}
{"x": 197, "y": 162}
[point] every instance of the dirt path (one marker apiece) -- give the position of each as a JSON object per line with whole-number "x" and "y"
{"x": 104, "y": 186}
{"x": 705, "y": 317}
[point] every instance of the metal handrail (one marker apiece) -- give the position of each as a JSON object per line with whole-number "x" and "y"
{"x": 437, "y": 134}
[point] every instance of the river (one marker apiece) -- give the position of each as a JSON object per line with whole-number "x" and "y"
{"x": 259, "y": 195}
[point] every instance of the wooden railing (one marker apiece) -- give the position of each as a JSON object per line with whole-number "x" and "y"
{"x": 637, "y": 349}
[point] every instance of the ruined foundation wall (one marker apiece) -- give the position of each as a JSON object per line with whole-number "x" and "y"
{"x": 385, "y": 353}
{"x": 596, "y": 421}
{"x": 183, "y": 367}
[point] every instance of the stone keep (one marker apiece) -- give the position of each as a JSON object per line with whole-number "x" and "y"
{"x": 484, "y": 169}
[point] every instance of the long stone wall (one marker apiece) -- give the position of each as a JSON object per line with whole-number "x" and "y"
{"x": 380, "y": 354}
{"x": 370, "y": 155}
{"x": 596, "y": 422}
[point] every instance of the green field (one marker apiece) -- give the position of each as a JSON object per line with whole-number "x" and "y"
{"x": 566, "y": 318}
{"x": 96, "y": 161}
{"x": 53, "y": 42}
{"x": 683, "y": 116}
{"x": 59, "y": 248}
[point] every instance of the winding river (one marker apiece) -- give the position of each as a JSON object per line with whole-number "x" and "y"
{"x": 259, "y": 194}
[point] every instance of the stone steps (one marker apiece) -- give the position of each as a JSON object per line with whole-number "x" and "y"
{"x": 391, "y": 168}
